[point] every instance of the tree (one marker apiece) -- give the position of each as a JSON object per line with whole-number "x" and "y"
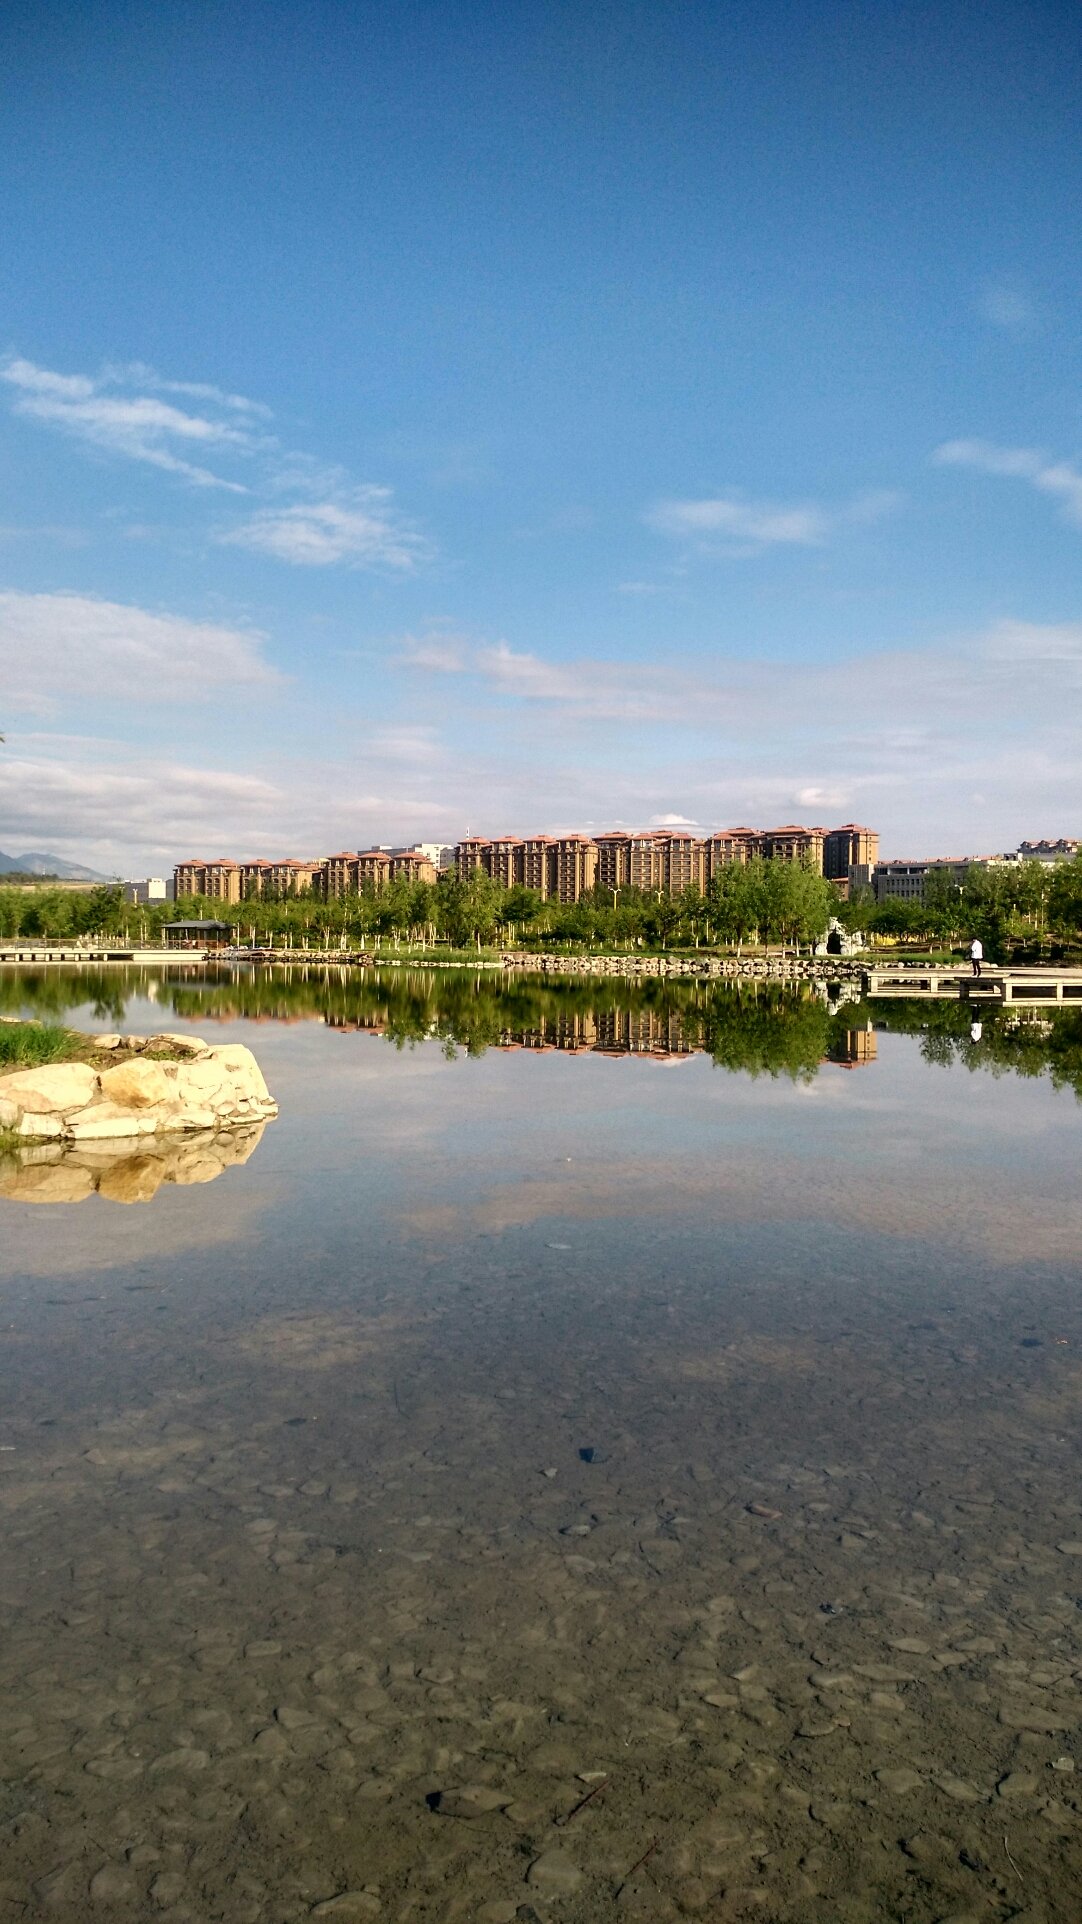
{"x": 1065, "y": 899}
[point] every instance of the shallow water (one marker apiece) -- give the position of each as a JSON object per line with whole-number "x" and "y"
{"x": 509, "y": 1418}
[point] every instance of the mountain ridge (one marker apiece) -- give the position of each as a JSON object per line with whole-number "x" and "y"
{"x": 34, "y": 862}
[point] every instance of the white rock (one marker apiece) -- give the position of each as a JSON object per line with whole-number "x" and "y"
{"x": 240, "y": 1062}
{"x": 52, "y": 1089}
{"x": 135, "y": 1085}
{"x": 36, "y": 1126}
{"x": 107, "y": 1119}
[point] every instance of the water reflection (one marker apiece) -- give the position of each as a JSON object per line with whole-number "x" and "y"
{"x": 521, "y": 1423}
{"x": 755, "y": 1028}
{"x": 124, "y": 1170}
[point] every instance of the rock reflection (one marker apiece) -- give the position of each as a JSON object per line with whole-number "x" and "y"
{"x": 124, "y": 1170}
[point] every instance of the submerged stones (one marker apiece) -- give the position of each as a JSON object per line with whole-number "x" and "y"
{"x": 554, "y": 1872}
{"x": 470, "y": 1800}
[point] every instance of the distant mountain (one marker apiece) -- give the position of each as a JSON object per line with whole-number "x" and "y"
{"x": 38, "y": 864}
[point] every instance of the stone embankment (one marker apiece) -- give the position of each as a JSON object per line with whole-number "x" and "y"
{"x": 732, "y": 968}
{"x": 136, "y": 1086}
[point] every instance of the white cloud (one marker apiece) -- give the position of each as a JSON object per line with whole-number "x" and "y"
{"x": 1032, "y": 641}
{"x": 54, "y": 646}
{"x": 124, "y": 411}
{"x": 136, "y": 801}
{"x": 135, "y": 424}
{"x": 1010, "y": 674}
{"x": 584, "y": 689}
{"x": 965, "y": 747}
{"x": 364, "y": 530}
{"x": 138, "y": 374}
{"x": 439, "y": 651}
{"x": 762, "y": 524}
{"x": 672, "y": 821}
{"x": 732, "y": 526}
{"x": 1057, "y": 478}
{"x": 813, "y": 797}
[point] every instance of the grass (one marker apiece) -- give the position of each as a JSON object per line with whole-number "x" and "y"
{"x": 26, "y": 1045}
{"x": 30, "y": 1045}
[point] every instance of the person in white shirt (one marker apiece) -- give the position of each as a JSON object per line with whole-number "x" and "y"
{"x": 976, "y": 954}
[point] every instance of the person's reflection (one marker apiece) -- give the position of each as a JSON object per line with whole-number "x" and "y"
{"x": 976, "y": 1030}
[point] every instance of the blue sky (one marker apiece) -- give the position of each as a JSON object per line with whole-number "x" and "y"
{"x": 441, "y": 416}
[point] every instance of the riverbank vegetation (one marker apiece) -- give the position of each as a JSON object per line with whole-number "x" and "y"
{"x": 1027, "y": 909}
{"x": 28, "y": 1045}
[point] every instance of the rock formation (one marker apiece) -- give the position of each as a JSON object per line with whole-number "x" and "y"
{"x": 139, "y": 1094}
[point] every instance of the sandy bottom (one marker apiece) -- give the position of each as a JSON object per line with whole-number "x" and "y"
{"x": 484, "y": 1587}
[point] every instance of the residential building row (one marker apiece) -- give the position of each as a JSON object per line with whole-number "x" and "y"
{"x": 563, "y": 868}
{"x": 558, "y": 867}
{"x": 346, "y": 873}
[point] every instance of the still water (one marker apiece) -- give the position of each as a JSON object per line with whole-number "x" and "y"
{"x": 609, "y": 1452}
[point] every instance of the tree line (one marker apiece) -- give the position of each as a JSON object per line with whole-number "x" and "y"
{"x": 1030, "y": 908}
{"x": 768, "y": 901}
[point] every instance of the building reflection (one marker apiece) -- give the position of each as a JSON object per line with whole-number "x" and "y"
{"x": 852, "y": 1048}
{"x": 659, "y": 1033}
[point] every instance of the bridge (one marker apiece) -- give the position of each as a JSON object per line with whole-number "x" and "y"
{"x": 48, "y": 952}
{"x": 1025, "y": 988}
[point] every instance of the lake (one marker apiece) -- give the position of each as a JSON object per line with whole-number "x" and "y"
{"x": 604, "y": 1451}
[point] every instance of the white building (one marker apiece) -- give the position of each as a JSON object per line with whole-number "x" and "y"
{"x": 153, "y": 889}
{"x": 440, "y": 854}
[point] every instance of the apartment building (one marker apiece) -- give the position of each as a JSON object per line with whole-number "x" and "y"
{"x": 728, "y": 845}
{"x": 471, "y": 853}
{"x": 275, "y": 879}
{"x": 502, "y": 861}
{"x": 613, "y": 860}
{"x": 849, "y": 847}
{"x": 340, "y": 875}
{"x": 559, "y": 867}
{"x": 349, "y": 872}
{"x": 219, "y": 881}
{"x": 660, "y": 859}
{"x": 576, "y": 867}
{"x": 539, "y": 865}
{"x": 792, "y": 843}
{"x": 441, "y": 855}
{"x": 411, "y": 865}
